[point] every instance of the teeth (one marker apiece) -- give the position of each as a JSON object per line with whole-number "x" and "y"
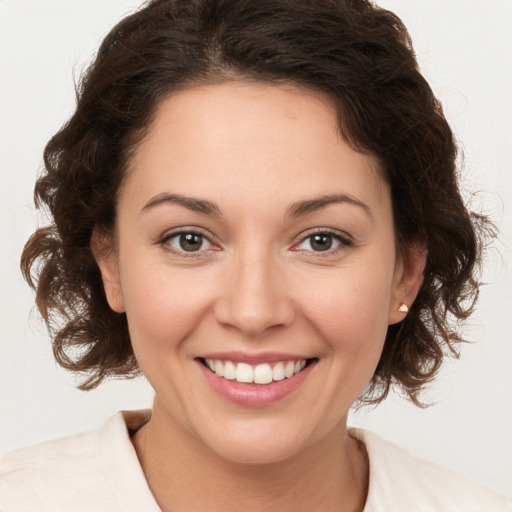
{"x": 278, "y": 372}
{"x": 244, "y": 373}
{"x": 219, "y": 368}
{"x": 289, "y": 369}
{"x": 259, "y": 374}
{"x": 262, "y": 374}
{"x": 229, "y": 370}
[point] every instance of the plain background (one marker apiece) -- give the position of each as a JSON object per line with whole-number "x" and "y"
{"x": 465, "y": 51}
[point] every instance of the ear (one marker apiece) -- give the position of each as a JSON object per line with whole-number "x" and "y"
{"x": 407, "y": 281}
{"x": 106, "y": 258}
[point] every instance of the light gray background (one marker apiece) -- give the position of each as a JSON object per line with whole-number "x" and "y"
{"x": 465, "y": 50}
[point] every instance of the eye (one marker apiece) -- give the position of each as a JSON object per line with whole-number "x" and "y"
{"x": 323, "y": 241}
{"x": 188, "y": 241}
{"x": 320, "y": 242}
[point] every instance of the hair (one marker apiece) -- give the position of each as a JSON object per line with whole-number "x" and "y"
{"x": 352, "y": 51}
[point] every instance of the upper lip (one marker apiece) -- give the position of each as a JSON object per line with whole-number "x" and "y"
{"x": 253, "y": 358}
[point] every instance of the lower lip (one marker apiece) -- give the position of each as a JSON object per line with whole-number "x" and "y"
{"x": 255, "y": 395}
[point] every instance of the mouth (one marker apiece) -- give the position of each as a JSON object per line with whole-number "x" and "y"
{"x": 261, "y": 374}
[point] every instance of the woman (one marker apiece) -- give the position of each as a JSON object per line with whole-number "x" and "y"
{"x": 255, "y": 204}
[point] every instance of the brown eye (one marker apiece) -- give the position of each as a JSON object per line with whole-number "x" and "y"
{"x": 321, "y": 242}
{"x": 188, "y": 242}
{"x": 191, "y": 242}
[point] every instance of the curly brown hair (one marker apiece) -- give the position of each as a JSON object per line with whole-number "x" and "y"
{"x": 360, "y": 56}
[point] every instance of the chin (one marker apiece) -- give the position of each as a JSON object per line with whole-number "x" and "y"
{"x": 259, "y": 451}
{"x": 260, "y": 442}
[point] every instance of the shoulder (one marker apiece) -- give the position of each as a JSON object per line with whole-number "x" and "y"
{"x": 50, "y": 473}
{"x": 79, "y": 472}
{"x": 401, "y": 482}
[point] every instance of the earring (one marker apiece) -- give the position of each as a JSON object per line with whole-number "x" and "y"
{"x": 403, "y": 308}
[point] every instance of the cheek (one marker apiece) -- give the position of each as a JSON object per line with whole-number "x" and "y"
{"x": 350, "y": 310}
{"x": 162, "y": 308}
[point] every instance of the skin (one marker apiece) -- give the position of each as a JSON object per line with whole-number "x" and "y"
{"x": 256, "y": 284}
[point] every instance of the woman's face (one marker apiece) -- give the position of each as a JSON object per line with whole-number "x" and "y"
{"x": 253, "y": 239}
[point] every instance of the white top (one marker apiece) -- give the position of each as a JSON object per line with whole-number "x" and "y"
{"x": 99, "y": 471}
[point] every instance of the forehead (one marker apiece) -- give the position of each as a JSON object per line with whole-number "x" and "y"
{"x": 236, "y": 139}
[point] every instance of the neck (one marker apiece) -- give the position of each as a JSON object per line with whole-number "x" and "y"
{"x": 184, "y": 474}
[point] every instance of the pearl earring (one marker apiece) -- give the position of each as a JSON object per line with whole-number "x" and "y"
{"x": 403, "y": 308}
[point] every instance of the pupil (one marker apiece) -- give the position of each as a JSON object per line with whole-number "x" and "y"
{"x": 191, "y": 242}
{"x": 321, "y": 242}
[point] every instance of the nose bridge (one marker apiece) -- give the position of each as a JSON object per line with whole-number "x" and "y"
{"x": 254, "y": 298}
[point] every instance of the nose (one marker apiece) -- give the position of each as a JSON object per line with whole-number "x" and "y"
{"x": 254, "y": 298}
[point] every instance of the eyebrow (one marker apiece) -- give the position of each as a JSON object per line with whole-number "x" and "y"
{"x": 295, "y": 210}
{"x": 192, "y": 203}
{"x": 305, "y": 207}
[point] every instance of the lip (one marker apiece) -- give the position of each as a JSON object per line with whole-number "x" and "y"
{"x": 254, "y": 395}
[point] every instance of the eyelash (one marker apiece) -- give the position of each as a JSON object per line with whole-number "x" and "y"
{"x": 164, "y": 242}
{"x": 344, "y": 242}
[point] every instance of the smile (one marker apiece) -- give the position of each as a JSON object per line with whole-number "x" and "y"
{"x": 256, "y": 381}
{"x": 262, "y": 374}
